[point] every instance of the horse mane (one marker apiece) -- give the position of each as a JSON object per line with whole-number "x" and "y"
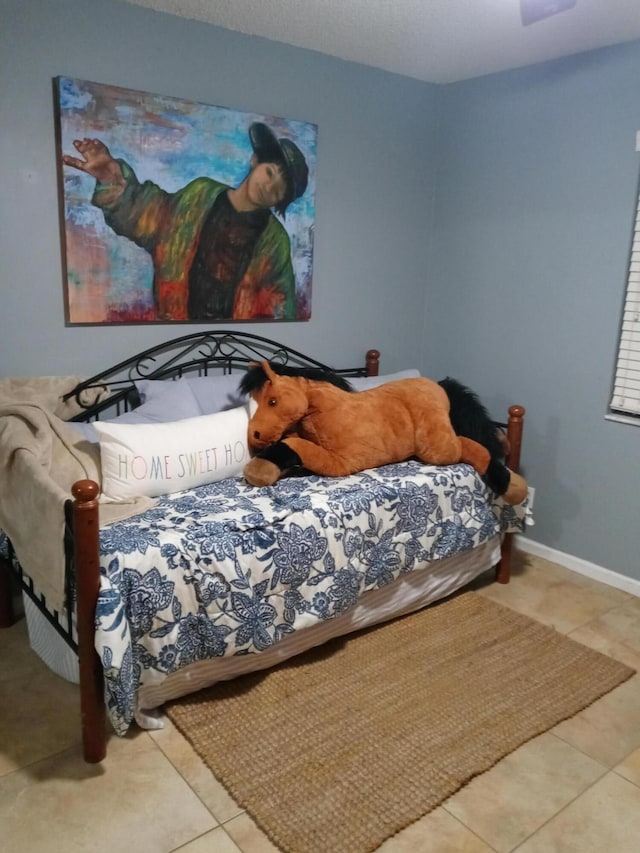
{"x": 255, "y": 377}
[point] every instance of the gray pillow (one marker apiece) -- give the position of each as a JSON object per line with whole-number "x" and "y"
{"x": 211, "y": 393}
{"x": 162, "y": 402}
{"x": 217, "y": 393}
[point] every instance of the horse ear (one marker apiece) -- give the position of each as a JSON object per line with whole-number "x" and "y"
{"x": 271, "y": 376}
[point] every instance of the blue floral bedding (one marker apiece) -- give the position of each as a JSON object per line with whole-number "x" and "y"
{"x": 228, "y": 569}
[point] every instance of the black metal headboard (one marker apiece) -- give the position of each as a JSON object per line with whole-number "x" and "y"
{"x": 198, "y": 354}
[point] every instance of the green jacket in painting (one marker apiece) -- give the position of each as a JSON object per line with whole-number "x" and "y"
{"x": 168, "y": 226}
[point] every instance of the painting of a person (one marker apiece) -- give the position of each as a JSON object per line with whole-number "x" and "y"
{"x": 218, "y": 252}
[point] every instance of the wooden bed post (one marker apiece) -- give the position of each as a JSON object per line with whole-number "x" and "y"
{"x": 514, "y": 438}
{"x": 86, "y": 527}
{"x": 372, "y": 362}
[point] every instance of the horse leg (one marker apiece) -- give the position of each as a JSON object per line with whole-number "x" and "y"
{"x": 318, "y": 459}
{"x": 270, "y": 464}
{"x": 511, "y": 487}
{"x": 474, "y": 454}
{"x": 437, "y": 443}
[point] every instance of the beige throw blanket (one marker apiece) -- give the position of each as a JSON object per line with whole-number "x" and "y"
{"x": 41, "y": 456}
{"x": 48, "y": 392}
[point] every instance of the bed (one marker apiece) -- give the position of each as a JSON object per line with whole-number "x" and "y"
{"x": 195, "y": 576}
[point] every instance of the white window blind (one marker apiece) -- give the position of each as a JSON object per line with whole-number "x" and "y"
{"x": 626, "y": 389}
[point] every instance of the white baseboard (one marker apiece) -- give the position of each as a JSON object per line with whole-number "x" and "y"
{"x": 576, "y": 564}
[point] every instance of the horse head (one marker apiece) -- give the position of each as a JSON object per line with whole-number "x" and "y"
{"x": 282, "y": 403}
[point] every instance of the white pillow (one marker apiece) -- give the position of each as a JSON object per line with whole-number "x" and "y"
{"x": 363, "y": 383}
{"x": 161, "y": 458}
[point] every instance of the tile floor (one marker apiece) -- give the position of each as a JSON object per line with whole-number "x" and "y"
{"x": 574, "y": 788}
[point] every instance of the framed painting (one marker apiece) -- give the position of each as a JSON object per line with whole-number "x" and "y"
{"x": 175, "y": 211}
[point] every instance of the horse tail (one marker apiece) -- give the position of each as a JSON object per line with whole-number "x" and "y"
{"x": 470, "y": 419}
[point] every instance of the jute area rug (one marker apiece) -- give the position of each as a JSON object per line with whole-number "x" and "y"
{"x": 343, "y": 746}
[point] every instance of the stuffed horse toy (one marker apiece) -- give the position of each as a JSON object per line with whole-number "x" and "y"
{"x": 313, "y": 420}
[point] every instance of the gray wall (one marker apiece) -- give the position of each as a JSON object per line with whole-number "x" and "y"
{"x": 376, "y": 147}
{"x": 479, "y": 230}
{"x": 537, "y": 190}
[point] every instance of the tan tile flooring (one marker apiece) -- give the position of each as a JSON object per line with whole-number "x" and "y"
{"x": 574, "y": 788}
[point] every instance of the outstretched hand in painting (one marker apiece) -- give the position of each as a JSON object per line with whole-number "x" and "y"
{"x": 96, "y": 161}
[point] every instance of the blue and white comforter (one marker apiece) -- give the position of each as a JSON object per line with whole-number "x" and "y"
{"x": 228, "y": 569}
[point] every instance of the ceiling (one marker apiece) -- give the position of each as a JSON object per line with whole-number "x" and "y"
{"x": 439, "y": 41}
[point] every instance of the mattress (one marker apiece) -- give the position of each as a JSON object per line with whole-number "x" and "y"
{"x": 229, "y": 570}
{"x": 405, "y": 595}
{"x": 224, "y": 579}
